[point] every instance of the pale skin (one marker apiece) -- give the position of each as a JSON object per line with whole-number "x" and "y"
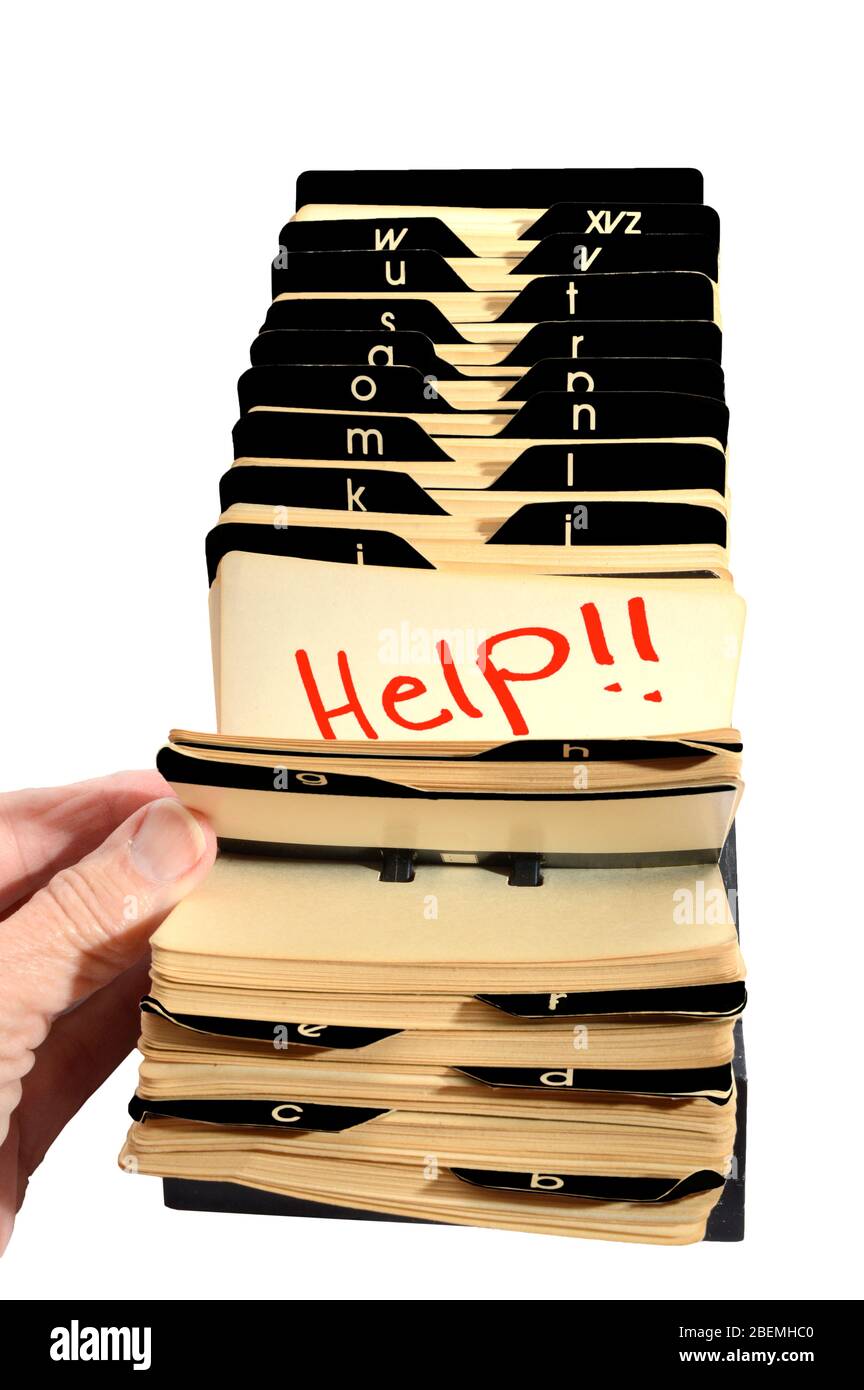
{"x": 87, "y": 873}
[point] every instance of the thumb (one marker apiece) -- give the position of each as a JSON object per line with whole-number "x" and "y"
{"x": 92, "y": 920}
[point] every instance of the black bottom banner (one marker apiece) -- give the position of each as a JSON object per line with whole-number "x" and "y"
{"x": 248, "y": 1338}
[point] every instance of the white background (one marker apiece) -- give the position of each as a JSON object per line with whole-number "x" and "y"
{"x": 150, "y": 161}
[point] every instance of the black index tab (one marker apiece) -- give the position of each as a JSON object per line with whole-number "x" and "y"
{"x": 616, "y": 338}
{"x": 342, "y": 547}
{"x": 411, "y": 315}
{"x": 700, "y": 1001}
{"x": 612, "y": 523}
{"x": 283, "y": 434}
{"x": 615, "y": 219}
{"x": 592, "y": 1188}
{"x": 661, "y": 294}
{"x": 321, "y": 1036}
{"x": 692, "y": 376}
{"x": 398, "y": 272}
{"x": 388, "y": 234}
{"x": 496, "y": 188}
{"x": 566, "y": 252}
{"x": 402, "y": 390}
{"x": 349, "y": 347}
{"x": 618, "y": 415}
{"x": 261, "y": 1114}
{"x": 694, "y": 1081}
{"x": 330, "y": 489}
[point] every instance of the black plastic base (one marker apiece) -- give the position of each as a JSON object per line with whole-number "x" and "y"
{"x": 185, "y": 1194}
{"x": 726, "y": 1222}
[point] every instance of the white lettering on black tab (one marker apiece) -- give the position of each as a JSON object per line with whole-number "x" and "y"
{"x": 389, "y": 241}
{"x": 365, "y": 436}
{"x": 286, "y": 1119}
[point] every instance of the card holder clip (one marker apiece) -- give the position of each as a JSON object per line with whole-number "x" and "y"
{"x": 397, "y": 866}
{"x": 525, "y": 871}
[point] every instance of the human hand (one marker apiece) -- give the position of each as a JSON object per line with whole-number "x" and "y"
{"x": 76, "y": 912}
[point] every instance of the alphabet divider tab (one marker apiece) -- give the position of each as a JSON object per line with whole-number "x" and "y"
{"x": 313, "y": 543}
{"x": 591, "y": 1188}
{"x": 692, "y": 376}
{"x": 332, "y": 489}
{"x": 341, "y": 437}
{"x": 359, "y": 271}
{"x": 616, "y": 219}
{"x": 267, "y": 1114}
{"x": 583, "y": 750}
{"x": 680, "y": 294}
{"x": 415, "y": 315}
{"x": 583, "y": 337}
{"x": 326, "y": 1037}
{"x": 713, "y": 1083}
{"x": 612, "y": 523}
{"x": 619, "y": 415}
{"x": 621, "y": 467}
{"x": 387, "y": 234}
{"x": 490, "y": 188}
{"x": 336, "y": 387}
{"x": 700, "y": 1001}
{"x": 566, "y": 252}
{"x": 350, "y": 347}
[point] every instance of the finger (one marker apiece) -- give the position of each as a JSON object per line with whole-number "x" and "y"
{"x": 92, "y": 921}
{"x": 47, "y": 828}
{"x": 82, "y": 1050}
